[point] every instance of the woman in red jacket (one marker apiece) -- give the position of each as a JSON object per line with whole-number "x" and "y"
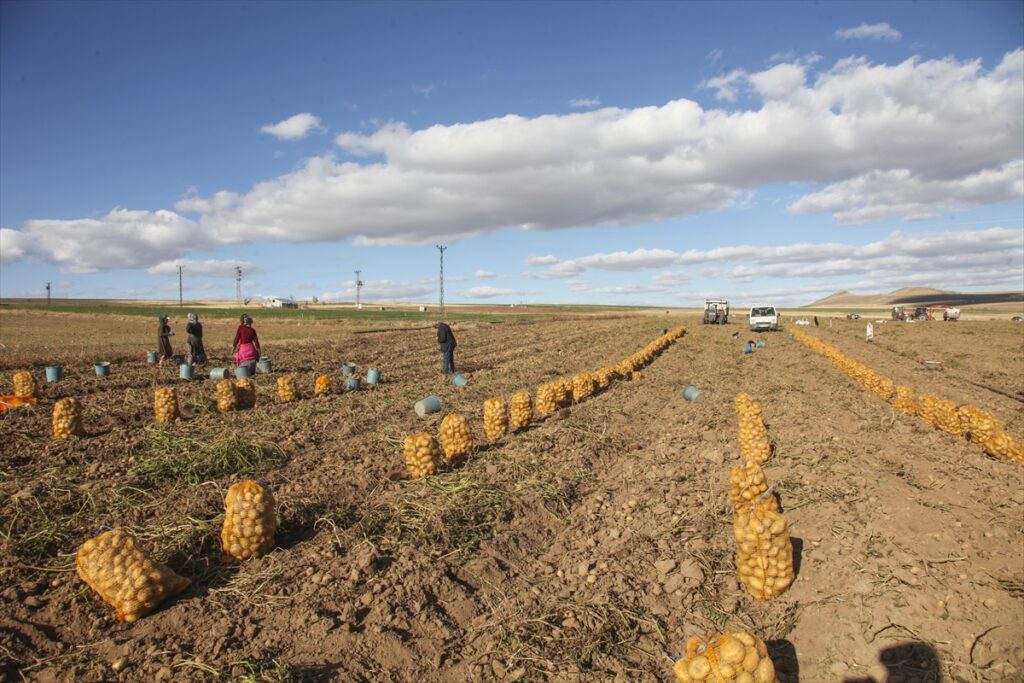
{"x": 246, "y": 346}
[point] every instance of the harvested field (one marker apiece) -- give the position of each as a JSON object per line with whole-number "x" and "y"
{"x": 588, "y": 546}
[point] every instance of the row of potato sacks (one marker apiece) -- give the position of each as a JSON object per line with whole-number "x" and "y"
{"x": 424, "y": 454}
{"x": 764, "y": 550}
{"x": 981, "y": 427}
{"x": 134, "y": 583}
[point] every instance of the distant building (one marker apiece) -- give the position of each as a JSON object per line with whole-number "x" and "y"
{"x": 277, "y": 302}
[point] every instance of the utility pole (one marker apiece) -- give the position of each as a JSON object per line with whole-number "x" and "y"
{"x": 47, "y": 293}
{"x": 441, "y": 249}
{"x": 359, "y": 285}
{"x": 238, "y": 285}
{"x": 180, "y": 302}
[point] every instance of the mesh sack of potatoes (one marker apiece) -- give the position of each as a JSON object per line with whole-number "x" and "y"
{"x": 1005, "y": 447}
{"x": 747, "y": 484}
{"x": 25, "y": 385}
{"x": 563, "y": 391}
{"x": 521, "y": 410}
{"x": 227, "y": 398}
{"x": 67, "y": 418}
{"x": 125, "y": 576}
{"x": 635, "y": 375}
{"x": 582, "y": 386}
{"x": 731, "y": 657}
{"x": 323, "y": 386}
{"x": 605, "y": 376}
{"x": 165, "y": 405}
{"x": 755, "y": 446}
{"x": 880, "y": 386}
{"x": 978, "y": 424}
{"x": 456, "y": 439}
{"x": 764, "y": 552}
{"x": 286, "y": 389}
{"x": 250, "y": 521}
{"x": 938, "y": 413}
{"x": 421, "y": 454}
{"x": 546, "y": 400}
{"x": 905, "y": 400}
{"x": 495, "y": 419}
{"x": 245, "y": 390}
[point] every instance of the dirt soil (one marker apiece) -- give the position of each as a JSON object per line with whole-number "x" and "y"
{"x": 586, "y": 548}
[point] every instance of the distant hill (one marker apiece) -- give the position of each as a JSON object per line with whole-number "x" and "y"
{"x": 919, "y": 296}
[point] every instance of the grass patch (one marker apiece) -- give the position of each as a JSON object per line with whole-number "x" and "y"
{"x": 167, "y": 455}
{"x": 443, "y": 514}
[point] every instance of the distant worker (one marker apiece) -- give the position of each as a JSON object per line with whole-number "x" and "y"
{"x": 246, "y": 347}
{"x": 163, "y": 339}
{"x": 446, "y": 341}
{"x": 194, "y": 329}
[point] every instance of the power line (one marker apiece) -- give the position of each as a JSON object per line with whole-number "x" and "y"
{"x": 441, "y": 249}
{"x": 359, "y": 285}
{"x": 180, "y": 303}
{"x": 238, "y": 285}
{"x": 47, "y": 293}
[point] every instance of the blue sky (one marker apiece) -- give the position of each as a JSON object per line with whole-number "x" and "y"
{"x": 633, "y": 153}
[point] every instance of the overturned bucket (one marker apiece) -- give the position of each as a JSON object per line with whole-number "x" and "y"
{"x": 347, "y": 369}
{"x": 761, "y": 343}
{"x": 691, "y": 392}
{"x": 151, "y": 357}
{"x": 428, "y": 405}
{"x": 219, "y": 373}
{"x": 372, "y": 376}
{"x": 102, "y": 369}
{"x": 264, "y": 365}
{"x": 459, "y": 381}
{"x": 351, "y": 384}
{"x": 185, "y": 371}
{"x": 54, "y": 373}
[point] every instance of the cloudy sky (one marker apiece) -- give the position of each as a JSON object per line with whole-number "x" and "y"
{"x": 625, "y": 153}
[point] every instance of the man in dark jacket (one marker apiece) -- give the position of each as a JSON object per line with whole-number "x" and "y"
{"x": 446, "y": 340}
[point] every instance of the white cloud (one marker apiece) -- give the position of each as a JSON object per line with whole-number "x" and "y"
{"x": 989, "y": 256}
{"x": 727, "y": 86}
{"x": 120, "y": 239}
{"x": 881, "y": 31}
{"x": 385, "y": 290}
{"x": 715, "y": 56}
{"x": 14, "y": 245}
{"x": 294, "y": 127}
{"x": 485, "y": 274}
{"x": 488, "y": 292}
{"x": 547, "y": 260}
{"x": 842, "y": 131}
{"x": 206, "y": 268}
{"x": 424, "y": 90}
{"x": 585, "y": 102}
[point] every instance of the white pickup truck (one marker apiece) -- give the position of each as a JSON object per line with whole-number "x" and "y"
{"x": 764, "y": 318}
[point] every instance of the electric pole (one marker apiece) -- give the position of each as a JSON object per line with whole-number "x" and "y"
{"x": 441, "y": 249}
{"x": 238, "y": 285}
{"x": 180, "y": 302}
{"x": 47, "y": 293}
{"x": 359, "y": 285}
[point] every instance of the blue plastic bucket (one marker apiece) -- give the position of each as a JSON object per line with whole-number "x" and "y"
{"x": 691, "y": 392}
{"x": 185, "y": 371}
{"x": 372, "y": 376}
{"x": 102, "y": 369}
{"x": 54, "y": 373}
{"x": 459, "y": 381}
{"x": 243, "y": 371}
{"x": 264, "y": 365}
{"x": 347, "y": 369}
{"x": 151, "y": 357}
{"x": 219, "y": 373}
{"x": 428, "y": 405}
{"x": 748, "y": 348}
{"x": 351, "y": 383}
{"x": 761, "y": 343}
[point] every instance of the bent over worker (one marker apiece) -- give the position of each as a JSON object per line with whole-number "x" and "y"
{"x": 446, "y": 342}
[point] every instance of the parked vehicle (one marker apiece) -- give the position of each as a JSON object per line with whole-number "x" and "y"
{"x": 716, "y": 312}
{"x": 951, "y": 314}
{"x": 853, "y": 316}
{"x": 764, "y": 318}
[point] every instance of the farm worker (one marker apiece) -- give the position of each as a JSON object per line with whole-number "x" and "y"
{"x": 246, "y": 347}
{"x": 446, "y": 341}
{"x": 163, "y": 339}
{"x": 194, "y": 328}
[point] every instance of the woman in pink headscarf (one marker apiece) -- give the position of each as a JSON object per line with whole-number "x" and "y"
{"x": 246, "y": 347}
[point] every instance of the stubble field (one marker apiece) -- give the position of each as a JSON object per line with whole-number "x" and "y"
{"x": 587, "y": 547}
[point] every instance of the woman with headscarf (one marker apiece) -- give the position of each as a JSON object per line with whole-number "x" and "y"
{"x": 196, "y": 352}
{"x": 163, "y": 339}
{"x": 246, "y": 347}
